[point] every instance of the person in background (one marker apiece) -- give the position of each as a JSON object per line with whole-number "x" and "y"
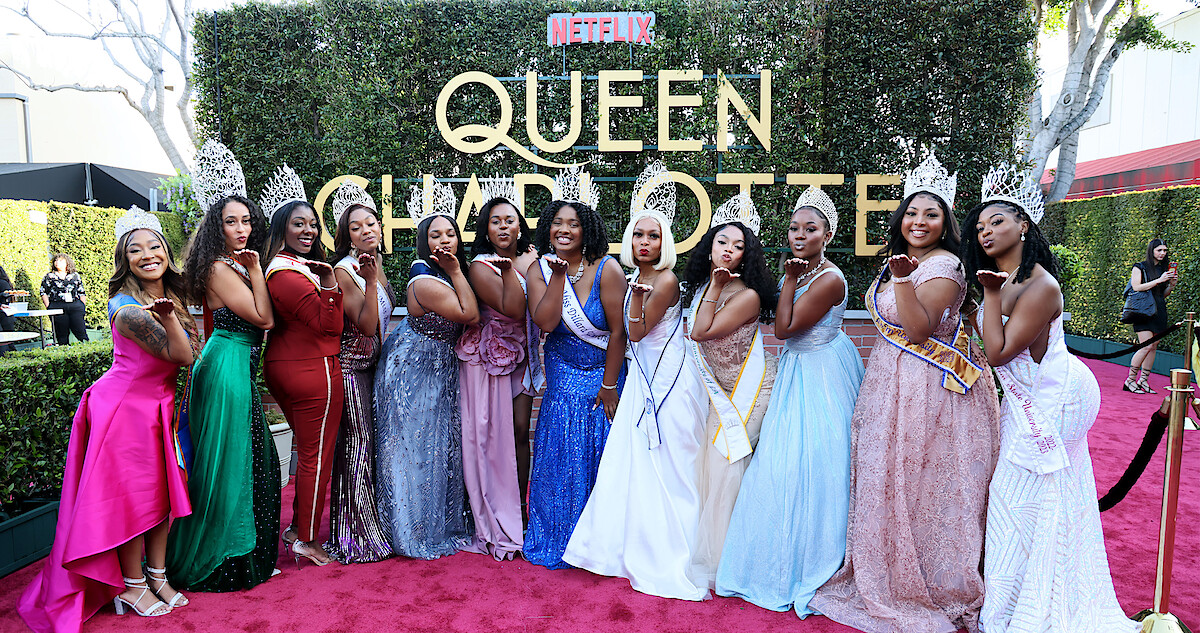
{"x": 7, "y": 323}
{"x": 62, "y": 289}
{"x": 1155, "y": 275}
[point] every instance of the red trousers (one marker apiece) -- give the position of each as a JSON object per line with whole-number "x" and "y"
{"x": 311, "y": 395}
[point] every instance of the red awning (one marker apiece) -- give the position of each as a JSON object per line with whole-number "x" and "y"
{"x": 1157, "y": 157}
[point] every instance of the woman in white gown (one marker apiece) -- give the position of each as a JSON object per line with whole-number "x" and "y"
{"x": 640, "y": 520}
{"x": 1045, "y": 568}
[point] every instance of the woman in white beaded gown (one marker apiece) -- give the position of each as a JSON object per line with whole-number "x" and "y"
{"x": 640, "y": 520}
{"x": 1045, "y": 568}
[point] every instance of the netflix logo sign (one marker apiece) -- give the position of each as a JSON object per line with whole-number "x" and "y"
{"x": 600, "y": 28}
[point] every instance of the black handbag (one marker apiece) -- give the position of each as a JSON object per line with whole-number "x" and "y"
{"x": 1139, "y": 305}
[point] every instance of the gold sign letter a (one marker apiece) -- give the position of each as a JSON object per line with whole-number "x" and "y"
{"x": 531, "y": 110}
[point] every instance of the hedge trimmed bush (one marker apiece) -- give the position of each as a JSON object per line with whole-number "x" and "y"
{"x": 349, "y": 86}
{"x": 39, "y": 393}
{"x": 1109, "y": 233}
{"x": 23, "y": 251}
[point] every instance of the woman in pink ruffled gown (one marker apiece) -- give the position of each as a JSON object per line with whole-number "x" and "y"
{"x": 496, "y": 386}
{"x": 124, "y": 476}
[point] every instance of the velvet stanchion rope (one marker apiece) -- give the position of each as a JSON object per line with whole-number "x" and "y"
{"x": 1154, "y": 435}
{"x": 1123, "y": 352}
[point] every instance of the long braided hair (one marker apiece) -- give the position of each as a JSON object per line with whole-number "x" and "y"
{"x": 1036, "y": 248}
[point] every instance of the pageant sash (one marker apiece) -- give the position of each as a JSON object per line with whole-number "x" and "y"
{"x": 1038, "y": 447}
{"x": 657, "y": 380}
{"x": 284, "y": 261}
{"x": 953, "y": 359}
{"x": 350, "y": 265}
{"x": 731, "y": 439}
{"x": 573, "y": 315}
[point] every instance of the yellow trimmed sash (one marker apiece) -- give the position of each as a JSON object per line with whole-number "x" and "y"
{"x": 960, "y": 371}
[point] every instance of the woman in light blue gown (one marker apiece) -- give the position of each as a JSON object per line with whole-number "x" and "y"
{"x": 787, "y": 535}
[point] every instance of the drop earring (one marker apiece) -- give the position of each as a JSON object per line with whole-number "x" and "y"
{"x": 1022, "y": 237}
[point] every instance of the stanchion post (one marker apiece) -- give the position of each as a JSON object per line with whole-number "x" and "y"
{"x": 1161, "y": 621}
{"x": 1189, "y": 335}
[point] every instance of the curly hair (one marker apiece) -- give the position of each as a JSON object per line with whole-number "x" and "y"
{"x": 71, "y": 262}
{"x": 208, "y": 243}
{"x": 342, "y": 244}
{"x": 753, "y": 270}
{"x": 482, "y": 245}
{"x": 595, "y": 237}
{"x": 1035, "y": 251}
{"x": 424, "y": 252}
{"x": 278, "y": 229}
{"x": 950, "y": 240}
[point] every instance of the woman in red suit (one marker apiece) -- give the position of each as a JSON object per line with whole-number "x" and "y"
{"x": 301, "y": 364}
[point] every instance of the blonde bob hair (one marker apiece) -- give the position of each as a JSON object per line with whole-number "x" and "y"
{"x": 666, "y": 256}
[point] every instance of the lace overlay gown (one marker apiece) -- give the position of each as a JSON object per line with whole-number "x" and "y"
{"x": 788, "y": 530}
{"x": 1046, "y": 569}
{"x": 718, "y": 480}
{"x": 640, "y": 521}
{"x": 921, "y": 459}
{"x": 418, "y": 440}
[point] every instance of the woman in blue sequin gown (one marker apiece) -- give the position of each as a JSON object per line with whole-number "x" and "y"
{"x": 791, "y": 511}
{"x": 419, "y": 483}
{"x": 584, "y": 364}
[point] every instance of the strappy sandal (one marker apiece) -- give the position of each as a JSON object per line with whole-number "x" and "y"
{"x": 1132, "y": 386}
{"x": 291, "y": 529}
{"x": 122, "y": 605}
{"x": 179, "y": 600}
{"x": 297, "y": 544}
{"x": 1144, "y": 386}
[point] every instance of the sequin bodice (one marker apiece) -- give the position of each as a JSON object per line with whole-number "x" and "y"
{"x": 226, "y": 319}
{"x": 827, "y": 328}
{"x": 726, "y": 354}
{"x": 436, "y": 326}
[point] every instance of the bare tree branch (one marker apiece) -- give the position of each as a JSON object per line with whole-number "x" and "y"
{"x": 28, "y": 81}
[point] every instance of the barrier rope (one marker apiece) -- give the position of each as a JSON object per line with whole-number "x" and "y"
{"x": 1154, "y": 434}
{"x": 1152, "y": 339}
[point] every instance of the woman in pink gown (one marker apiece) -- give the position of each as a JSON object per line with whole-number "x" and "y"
{"x": 496, "y": 386}
{"x": 124, "y": 477}
{"x": 924, "y": 440}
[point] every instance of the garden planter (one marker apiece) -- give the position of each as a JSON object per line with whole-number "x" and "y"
{"x": 27, "y": 536}
{"x": 282, "y": 434}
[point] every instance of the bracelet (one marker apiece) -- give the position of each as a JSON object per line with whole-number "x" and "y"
{"x": 604, "y": 386}
{"x": 702, "y": 300}
{"x": 907, "y": 279}
{"x": 333, "y": 287}
{"x": 633, "y": 320}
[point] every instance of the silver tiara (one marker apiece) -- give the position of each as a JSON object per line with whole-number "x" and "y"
{"x": 348, "y": 195}
{"x": 497, "y": 187}
{"x": 1012, "y": 183}
{"x": 654, "y": 192}
{"x": 437, "y": 199}
{"x": 819, "y": 200}
{"x": 575, "y": 185}
{"x": 282, "y": 187}
{"x": 931, "y": 177}
{"x": 739, "y": 208}
{"x": 217, "y": 176}
{"x": 134, "y": 219}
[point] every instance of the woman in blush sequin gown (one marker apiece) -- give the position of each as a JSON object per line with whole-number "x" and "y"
{"x": 1046, "y": 569}
{"x": 124, "y": 477}
{"x": 228, "y": 542}
{"x": 575, "y": 294}
{"x": 922, "y": 450}
{"x": 418, "y": 435}
{"x": 640, "y": 521}
{"x": 788, "y": 529}
{"x": 736, "y": 373}
{"x": 495, "y": 377}
{"x": 355, "y": 532}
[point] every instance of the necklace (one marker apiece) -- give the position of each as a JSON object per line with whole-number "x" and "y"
{"x": 578, "y": 273}
{"x": 1012, "y": 275}
{"x": 800, "y": 279}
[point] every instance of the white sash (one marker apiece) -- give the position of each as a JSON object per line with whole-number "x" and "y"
{"x": 573, "y": 316}
{"x": 284, "y": 261}
{"x": 350, "y": 265}
{"x": 731, "y": 439}
{"x": 659, "y": 377}
{"x": 1038, "y": 447}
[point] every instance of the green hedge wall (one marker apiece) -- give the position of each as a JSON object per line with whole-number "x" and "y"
{"x": 39, "y": 393}
{"x": 859, "y": 86}
{"x": 85, "y": 233}
{"x": 1109, "y": 234}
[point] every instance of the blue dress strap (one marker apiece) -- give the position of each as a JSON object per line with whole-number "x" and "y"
{"x": 120, "y": 301}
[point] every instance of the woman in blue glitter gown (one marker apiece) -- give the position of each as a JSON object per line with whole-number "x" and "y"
{"x": 576, "y": 294}
{"x": 419, "y": 485}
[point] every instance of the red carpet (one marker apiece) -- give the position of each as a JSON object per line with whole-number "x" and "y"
{"x": 470, "y": 592}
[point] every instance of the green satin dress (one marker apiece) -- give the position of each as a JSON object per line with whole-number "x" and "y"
{"x": 228, "y": 542}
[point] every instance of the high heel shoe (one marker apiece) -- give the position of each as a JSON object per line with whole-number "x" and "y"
{"x": 179, "y": 600}
{"x": 122, "y": 605}
{"x": 291, "y": 529}
{"x": 296, "y": 545}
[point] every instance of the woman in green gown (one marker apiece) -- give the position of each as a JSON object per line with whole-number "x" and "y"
{"x": 228, "y": 543}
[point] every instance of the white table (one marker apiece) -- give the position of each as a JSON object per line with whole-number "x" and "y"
{"x": 16, "y": 337}
{"x": 41, "y": 314}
